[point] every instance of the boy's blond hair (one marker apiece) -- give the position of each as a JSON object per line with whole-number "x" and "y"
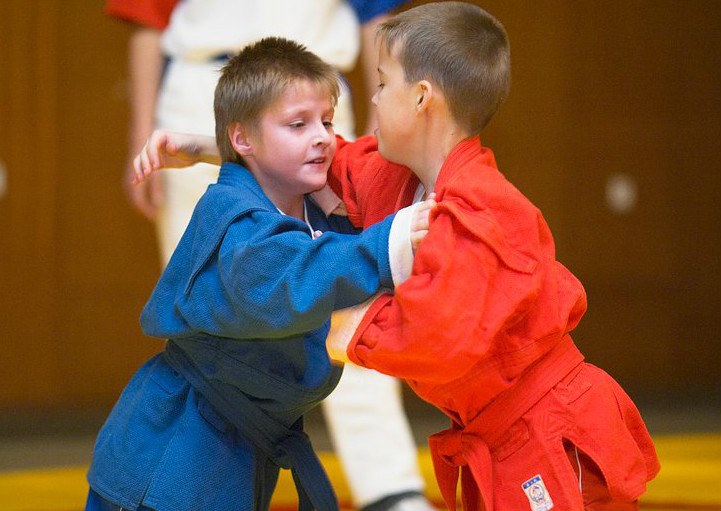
{"x": 255, "y": 78}
{"x": 458, "y": 47}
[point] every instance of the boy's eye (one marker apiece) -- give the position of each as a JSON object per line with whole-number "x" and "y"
{"x": 297, "y": 124}
{"x": 328, "y": 124}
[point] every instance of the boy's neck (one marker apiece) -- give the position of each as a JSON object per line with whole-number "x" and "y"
{"x": 436, "y": 144}
{"x": 294, "y": 206}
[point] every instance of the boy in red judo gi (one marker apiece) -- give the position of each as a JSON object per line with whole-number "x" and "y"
{"x": 481, "y": 328}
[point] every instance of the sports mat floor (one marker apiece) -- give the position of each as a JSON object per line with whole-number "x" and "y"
{"x": 42, "y": 465}
{"x": 690, "y": 480}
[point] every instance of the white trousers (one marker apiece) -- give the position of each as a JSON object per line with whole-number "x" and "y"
{"x": 365, "y": 415}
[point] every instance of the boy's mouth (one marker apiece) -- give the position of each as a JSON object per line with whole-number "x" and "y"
{"x": 317, "y": 161}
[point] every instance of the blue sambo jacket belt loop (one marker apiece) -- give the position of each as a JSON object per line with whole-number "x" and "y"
{"x": 286, "y": 447}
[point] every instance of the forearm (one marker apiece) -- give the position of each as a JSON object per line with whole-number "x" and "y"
{"x": 145, "y": 64}
{"x": 207, "y": 150}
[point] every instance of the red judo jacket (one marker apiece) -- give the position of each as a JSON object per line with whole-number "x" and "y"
{"x": 487, "y": 297}
{"x": 484, "y": 318}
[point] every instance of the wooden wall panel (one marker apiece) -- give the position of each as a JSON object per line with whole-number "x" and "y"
{"x": 599, "y": 88}
{"x": 77, "y": 264}
{"x": 642, "y": 102}
{"x": 28, "y": 283}
{"x": 109, "y": 263}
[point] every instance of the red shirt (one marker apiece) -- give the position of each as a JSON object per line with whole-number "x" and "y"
{"x": 153, "y": 13}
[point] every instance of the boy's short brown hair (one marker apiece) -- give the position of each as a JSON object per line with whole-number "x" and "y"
{"x": 255, "y": 78}
{"x": 460, "y": 48}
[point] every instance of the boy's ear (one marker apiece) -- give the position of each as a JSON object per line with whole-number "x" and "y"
{"x": 239, "y": 139}
{"x": 424, "y": 94}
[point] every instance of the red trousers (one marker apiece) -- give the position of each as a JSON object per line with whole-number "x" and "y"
{"x": 596, "y": 496}
{"x": 582, "y": 446}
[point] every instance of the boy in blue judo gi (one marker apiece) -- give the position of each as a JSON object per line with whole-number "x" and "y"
{"x": 245, "y": 303}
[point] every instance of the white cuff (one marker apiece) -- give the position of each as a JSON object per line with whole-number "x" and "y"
{"x": 343, "y": 324}
{"x": 400, "y": 250}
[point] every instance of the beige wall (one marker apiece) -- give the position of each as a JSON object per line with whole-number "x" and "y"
{"x": 601, "y": 89}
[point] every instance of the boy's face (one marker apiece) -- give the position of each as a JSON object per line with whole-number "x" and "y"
{"x": 395, "y": 101}
{"x": 293, "y": 145}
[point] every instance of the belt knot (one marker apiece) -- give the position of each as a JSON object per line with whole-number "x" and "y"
{"x": 458, "y": 453}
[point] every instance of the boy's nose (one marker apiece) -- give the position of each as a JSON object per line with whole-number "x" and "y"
{"x": 322, "y": 137}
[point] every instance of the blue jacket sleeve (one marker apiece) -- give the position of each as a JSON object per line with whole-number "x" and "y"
{"x": 269, "y": 279}
{"x": 366, "y": 10}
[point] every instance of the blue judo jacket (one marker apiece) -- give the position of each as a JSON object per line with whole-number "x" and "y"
{"x": 245, "y": 302}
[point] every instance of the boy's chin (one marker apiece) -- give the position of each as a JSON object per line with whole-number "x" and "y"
{"x": 382, "y": 150}
{"x": 382, "y": 146}
{"x": 318, "y": 186}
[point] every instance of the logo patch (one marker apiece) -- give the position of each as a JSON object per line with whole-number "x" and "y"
{"x": 537, "y": 494}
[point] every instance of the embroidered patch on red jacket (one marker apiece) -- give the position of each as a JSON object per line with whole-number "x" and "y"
{"x": 537, "y": 494}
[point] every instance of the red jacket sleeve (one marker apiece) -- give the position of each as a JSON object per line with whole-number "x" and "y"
{"x": 370, "y": 187}
{"x": 149, "y": 13}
